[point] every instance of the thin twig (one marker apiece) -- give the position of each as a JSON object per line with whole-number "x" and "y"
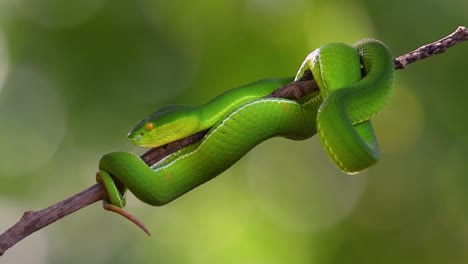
{"x": 35, "y": 220}
{"x": 440, "y": 46}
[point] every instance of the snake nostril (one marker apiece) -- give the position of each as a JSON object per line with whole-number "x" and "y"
{"x": 138, "y": 137}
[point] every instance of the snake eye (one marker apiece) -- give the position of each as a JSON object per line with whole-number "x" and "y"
{"x": 149, "y": 126}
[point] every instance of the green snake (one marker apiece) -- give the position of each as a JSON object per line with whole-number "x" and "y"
{"x": 355, "y": 82}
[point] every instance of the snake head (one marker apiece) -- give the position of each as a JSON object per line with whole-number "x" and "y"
{"x": 166, "y": 125}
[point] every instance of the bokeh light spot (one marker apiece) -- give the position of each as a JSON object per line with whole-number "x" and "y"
{"x": 57, "y": 13}
{"x": 298, "y": 187}
{"x": 400, "y": 123}
{"x": 227, "y": 227}
{"x": 329, "y": 21}
{"x": 4, "y": 61}
{"x": 33, "y": 119}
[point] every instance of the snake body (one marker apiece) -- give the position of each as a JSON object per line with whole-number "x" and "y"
{"x": 223, "y": 145}
{"x": 354, "y": 81}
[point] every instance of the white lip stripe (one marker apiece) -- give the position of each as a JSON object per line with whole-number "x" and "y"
{"x": 156, "y": 167}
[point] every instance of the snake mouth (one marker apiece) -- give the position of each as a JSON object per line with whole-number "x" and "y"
{"x": 140, "y": 141}
{"x": 135, "y": 139}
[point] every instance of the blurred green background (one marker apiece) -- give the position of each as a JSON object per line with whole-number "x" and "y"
{"x": 75, "y": 76}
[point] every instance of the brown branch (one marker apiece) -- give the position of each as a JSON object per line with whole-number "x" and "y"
{"x": 31, "y": 221}
{"x": 440, "y": 46}
{"x": 35, "y": 220}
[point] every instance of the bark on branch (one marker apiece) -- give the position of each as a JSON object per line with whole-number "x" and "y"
{"x": 32, "y": 221}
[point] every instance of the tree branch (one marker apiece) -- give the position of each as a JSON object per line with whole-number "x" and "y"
{"x": 440, "y": 46}
{"x": 32, "y": 221}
